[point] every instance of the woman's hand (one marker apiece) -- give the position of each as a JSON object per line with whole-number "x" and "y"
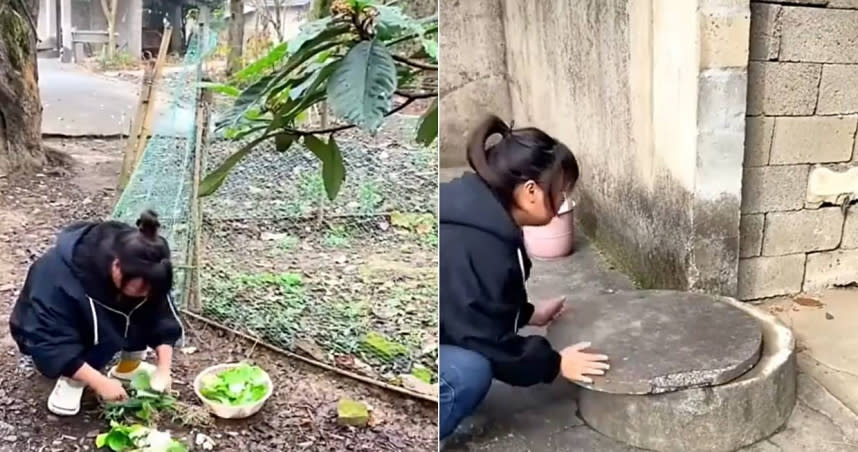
{"x": 548, "y": 311}
{"x": 110, "y": 390}
{"x": 161, "y": 380}
{"x": 575, "y": 364}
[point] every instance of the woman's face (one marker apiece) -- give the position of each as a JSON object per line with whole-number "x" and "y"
{"x": 133, "y": 288}
{"x": 535, "y": 206}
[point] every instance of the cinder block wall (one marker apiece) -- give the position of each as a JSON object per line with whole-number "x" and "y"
{"x": 798, "y": 231}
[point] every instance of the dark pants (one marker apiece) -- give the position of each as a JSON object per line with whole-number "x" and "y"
{"x": 465, "y": 379}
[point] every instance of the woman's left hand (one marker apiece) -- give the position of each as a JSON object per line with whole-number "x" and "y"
{"x": 548, "y": 311}
{"x": 161, "y": 380}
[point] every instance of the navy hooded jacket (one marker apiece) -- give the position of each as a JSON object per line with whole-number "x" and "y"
{"x": 483, "y": 299}
{"x": 70, "y": 312}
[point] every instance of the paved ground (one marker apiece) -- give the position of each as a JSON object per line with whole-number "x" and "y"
{"x": 544, "y": 418}
{"x": 78, "y": 102}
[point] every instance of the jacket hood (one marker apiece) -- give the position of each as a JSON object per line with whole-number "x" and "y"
{"x": 468, "y": 201}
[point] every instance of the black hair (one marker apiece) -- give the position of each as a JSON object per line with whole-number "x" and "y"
{"x": 142, "y": 253}
{"x": 521, "y": 155}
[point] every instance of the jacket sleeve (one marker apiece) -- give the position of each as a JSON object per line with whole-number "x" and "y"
{"x": 486, "y": 322}
{"x": 166, "y": 327}
{"x": 56, "y": 345}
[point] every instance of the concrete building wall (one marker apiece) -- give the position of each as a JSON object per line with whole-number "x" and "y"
{"x": 801, "y": 166}
{"x": 650, "y": 96}
{"x": 473, "y": 81}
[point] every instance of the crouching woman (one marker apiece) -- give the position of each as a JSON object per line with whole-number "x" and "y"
{"x": 104, "y": 288}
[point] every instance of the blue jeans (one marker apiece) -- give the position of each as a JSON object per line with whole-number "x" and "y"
{"x": 465, "y": 379}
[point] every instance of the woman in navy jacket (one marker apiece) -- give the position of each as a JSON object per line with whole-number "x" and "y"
{"x": 103, "y": 288}
{"x": 522, "y": 180}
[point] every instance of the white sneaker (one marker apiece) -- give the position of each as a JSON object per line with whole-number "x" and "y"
{"x": 66, "y": 396}
{"x": 128, "y": 376}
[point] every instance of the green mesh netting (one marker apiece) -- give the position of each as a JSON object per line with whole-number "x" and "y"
{"x": 162, "y": 181}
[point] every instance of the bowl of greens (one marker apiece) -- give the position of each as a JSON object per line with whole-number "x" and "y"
{"x": 233, "y": 391}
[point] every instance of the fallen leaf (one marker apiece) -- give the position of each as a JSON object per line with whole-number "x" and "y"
{"x": 311, "y": 348}
{"x": 808, "y": 301}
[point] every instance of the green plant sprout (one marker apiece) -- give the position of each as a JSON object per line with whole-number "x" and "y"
{"x": 337, "y": 237}
{"x": 349, "y": 61}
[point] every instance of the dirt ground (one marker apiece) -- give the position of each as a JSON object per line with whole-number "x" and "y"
{"x": 300, "y": 416}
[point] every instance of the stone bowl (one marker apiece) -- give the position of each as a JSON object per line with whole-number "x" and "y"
{"x": 224, "y": 411}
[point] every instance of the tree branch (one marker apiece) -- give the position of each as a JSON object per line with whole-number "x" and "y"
{"x": 415, "y": 63}
{"x": 416, "y": 95}
{"x": 328, "y": 130}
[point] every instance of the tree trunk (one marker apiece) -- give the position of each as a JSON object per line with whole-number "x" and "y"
{"x": 110, "y": 15}
{"x": 320, "y": 9}
{"x": 236, "y": 36}
{"x": 20, "y": 107}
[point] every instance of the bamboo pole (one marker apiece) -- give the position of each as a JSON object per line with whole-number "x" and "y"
{"x": 195, "y": 300}
{"x": 136, "y": 128}
{"x": 148, "y": 117}
{"x": 312, "y": 362}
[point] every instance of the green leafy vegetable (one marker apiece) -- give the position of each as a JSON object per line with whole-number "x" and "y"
{"x": 143, "y": 403}
{"x": 126, "y": 438}
{"x": 239, "y": 385}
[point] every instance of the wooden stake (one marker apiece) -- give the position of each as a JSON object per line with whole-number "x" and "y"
{"x": 195, "y": 299}
{"x": 146, "y": 129}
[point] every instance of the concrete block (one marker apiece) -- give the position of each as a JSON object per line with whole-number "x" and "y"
{"x": 850, "y": 229}
{"x": 819, "y": 35}
{"x": 838, "y": 90}
{"x": 845, "y": 4}
{"x": 724, "y": 40}
{"x": 830, "y": 269}
{"x": 796, "y": 2}
{"x": 814, "y": 139}
{"x": 763, "y": 277}
{"x": 802, "y": 231}
{"x": 773, "y": 188}
{"x": 758, "y": 140}
{"x": 720, "y": 418}
{"x": 825, "y": 185}
{"x": 751, "y": 235}
{"x": 765, "y": 31}
{"x": 782, "y": 89}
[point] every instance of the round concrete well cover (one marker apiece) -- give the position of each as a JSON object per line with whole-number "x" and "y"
{"x": 661, "y": 341}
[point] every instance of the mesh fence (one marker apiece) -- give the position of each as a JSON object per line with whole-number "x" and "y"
{"x": 163, "y": 178}
{"x": 351, "y": 282}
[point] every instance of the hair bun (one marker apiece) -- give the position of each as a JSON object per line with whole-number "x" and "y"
{"x": 148, "y": 224}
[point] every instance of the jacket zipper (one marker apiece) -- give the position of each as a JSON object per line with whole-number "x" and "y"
{"x": 93, "y": 302}
{"x": 523, "y": 283}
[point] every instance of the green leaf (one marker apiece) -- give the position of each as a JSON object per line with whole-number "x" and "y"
{"x": 430, "y": 46}
{"x": 333, "y": 168}
{"x": 215, "y": 179}
{"x": 141, "y": 381}
{"x": 118, "y": 441}
{"x": 266, "y": 62}
{"x": 283, "y": 141}
{"x": 308, "y": 32}
{"x": 221, "y": 88}
{"x": 314, "y": 81}
{"x": 101, "y": 440}
{"x": 361, "y": 88}
{"x": 428, "y": 129}
{"x": 391, "y": 19}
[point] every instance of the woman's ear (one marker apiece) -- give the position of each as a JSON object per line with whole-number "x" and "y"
{"x": 530, "y": 189}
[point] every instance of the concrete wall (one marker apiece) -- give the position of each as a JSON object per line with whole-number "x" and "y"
{"x": 650, "y": 96}
{"x": 473, "y": 81}
{"x": 798, "y": 231}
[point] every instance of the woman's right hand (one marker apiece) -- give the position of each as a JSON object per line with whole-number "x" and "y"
{"x": 575, "y": 364}
{"x": 111, "y": 390}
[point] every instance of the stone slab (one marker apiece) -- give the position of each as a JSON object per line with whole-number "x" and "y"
{"x": 751, "y": 235}
{"x": 850, "y": 229}
{"x": 719, "y": 418}
{"x": 838, "y": 92}
{"x": 765, "y": 31}
{"x": 831, "y": 269}
{"x": 782, "y": 89}
{"x": 816, "y": 139}
{"x": 819, "y": 35}
{"x": 802, "y": 231}
{"x": 761, "y": 277}
{"x": 662, "y": 341}
{"x": 773, "y": 188}
{"x": 758, "y": 140}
